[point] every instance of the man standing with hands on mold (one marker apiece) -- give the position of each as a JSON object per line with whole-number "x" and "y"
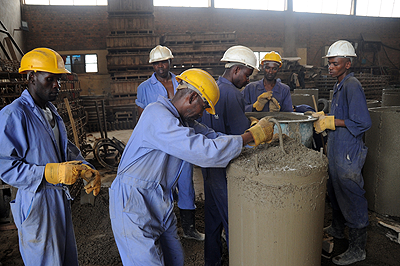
{"x": 346, "y": 124}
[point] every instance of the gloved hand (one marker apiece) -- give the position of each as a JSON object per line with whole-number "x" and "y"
{"x": 65, "y": 173}
{"x": 274, "y": 105}
{"x": 323, "y": 122}
{"x": 94, "y": 180}
{"x": 253, "y": 121}
{"x": 262, "y": 100}
{"x": 309, "y": 113}
{"x": 263, "y": 131}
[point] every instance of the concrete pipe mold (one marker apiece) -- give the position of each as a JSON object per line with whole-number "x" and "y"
{"x": 382, "y": 169}
{"x": 276, "y": 202}
{"x": 391, "y": 97}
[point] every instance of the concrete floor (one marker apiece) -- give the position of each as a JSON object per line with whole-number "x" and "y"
{"x": 383, "y": 246}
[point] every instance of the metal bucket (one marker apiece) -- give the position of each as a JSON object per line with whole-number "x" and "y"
{"x": 296, "y": 125}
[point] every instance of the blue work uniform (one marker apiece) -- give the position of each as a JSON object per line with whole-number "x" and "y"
{"x": 141, "y": 196}
{"x": 347, "y": 152}
{"x": 229, "y": 119}
{"x": 302, "y": 108}
{"x": 281, "y": 92}
{"x": 41, "y": 211}
{"x": 148, "y": 92}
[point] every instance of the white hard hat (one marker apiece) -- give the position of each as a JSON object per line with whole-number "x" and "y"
{"x": 240, "y": 54}
{"x": 341, "y": 48}
{"x": 160, "y": 53}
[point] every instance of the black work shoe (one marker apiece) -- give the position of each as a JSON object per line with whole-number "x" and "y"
{"x": 193, "y": 234}
{"x": 356, "y": 251}
{"x": 330, "y": 230}
{"x": 349, "y": 257}
{"x": 189, "y": 225}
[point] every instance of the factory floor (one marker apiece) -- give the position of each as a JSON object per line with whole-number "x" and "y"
{"x": 96, "y": 245}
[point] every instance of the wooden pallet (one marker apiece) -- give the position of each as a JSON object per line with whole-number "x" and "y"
{"x": 198, "y": 38}
{"x": 133, "y": 40}
{"x": 129, "y": 6}
{"x": 131, "y": 22}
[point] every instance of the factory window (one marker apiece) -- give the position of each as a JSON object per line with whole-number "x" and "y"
{"x": 342, "y": 7}
{"x": 277, "y": 5}
{"x": 260, "y": 55}
{"x": 182, "y": 3}
{"x": 67, "y": 2}
{"x": 81, "y": 63}
{"x": 378, "y": 8}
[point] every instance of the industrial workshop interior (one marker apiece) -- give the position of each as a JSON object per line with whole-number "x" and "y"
{"x": 313, "y": 178}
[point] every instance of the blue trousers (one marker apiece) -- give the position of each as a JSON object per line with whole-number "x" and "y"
{"x": 345, "y": 183}
{"x": 143, "y": 238}
{"x": 186, "y": 193}
{"x": 215, "y": 213}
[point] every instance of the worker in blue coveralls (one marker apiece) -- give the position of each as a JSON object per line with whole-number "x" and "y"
{"x": 164, "y": 83}
{"x": 37, "y": 158}
{"x": 268, "y": 94}
{"x": 141, "y": 196}
{"x": 348, "y": 120}
{"x": 230, "y": 119}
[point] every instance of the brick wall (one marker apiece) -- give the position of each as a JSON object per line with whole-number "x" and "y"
{"x": 85, "y": 28}
{"x": 66, "y": 27}
{"x": 257, "y": 28}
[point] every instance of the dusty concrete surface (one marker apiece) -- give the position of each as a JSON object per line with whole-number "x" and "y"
{"x": 96, "y": 246}
{"x": 276, "y": 205}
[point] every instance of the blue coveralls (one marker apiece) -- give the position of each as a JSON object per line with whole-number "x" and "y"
{"x": 41, "y": 211}
{"x": 347, "y": 152}
{"x": 281, "y": 92}
{"x": 141, "y": 196}
{"x": 148, "y": 92}
{"x": 229, "y": 119}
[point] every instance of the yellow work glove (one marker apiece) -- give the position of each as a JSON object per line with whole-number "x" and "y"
{"x": 93, "y": 180}
{"x": 274, "y": 105}
{"x": 262, "y": 100}
{"x": 253, "y": 121}
{"x": 263, "y": 131}
{"x": 65, "y": 173}
{"x": 323, "y": 122}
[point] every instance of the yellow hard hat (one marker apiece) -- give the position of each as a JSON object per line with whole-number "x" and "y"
{"x": 205, "y": 84}
{"x": 272, "y": 56}
{"x": 43, "y": 59}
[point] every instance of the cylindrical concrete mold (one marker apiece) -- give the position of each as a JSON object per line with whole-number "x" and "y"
{"x": 373, "y": 103}
{"x": 391, "y": 97}
{"x": 298, "y": 99}
{"x": 382, "y": 169}
{"x": 308, "y": 91}
{"x": 276, "y": 206}
{"x": 296, "y": 125}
